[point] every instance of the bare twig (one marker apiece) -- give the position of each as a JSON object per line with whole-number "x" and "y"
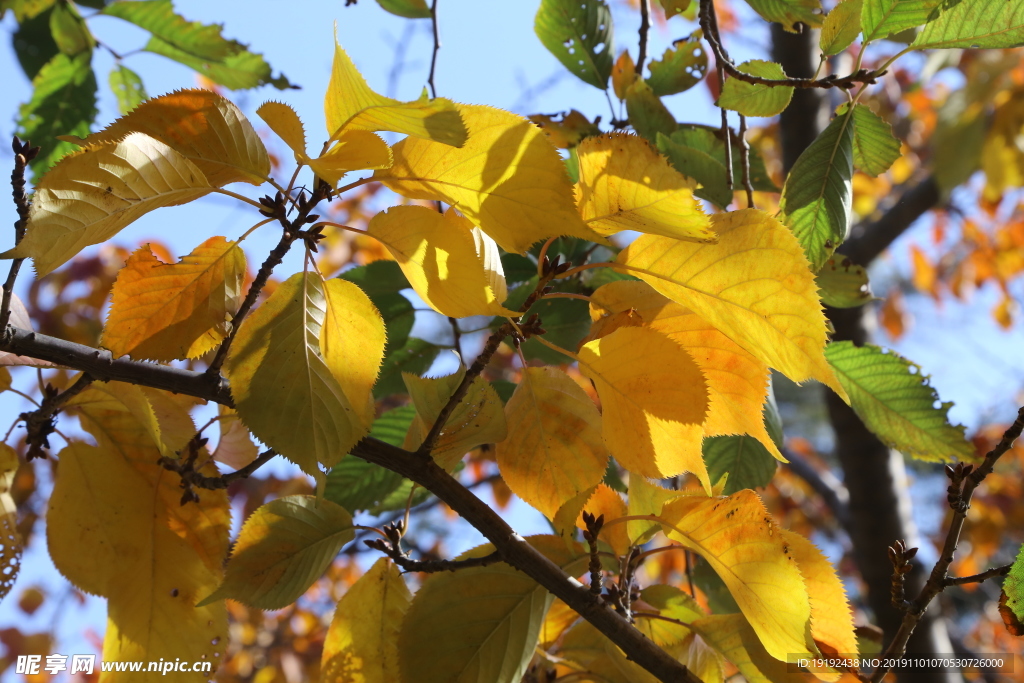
{"x": 23, "y": 154}
{"x": 437, "y": 48}
{"x": 745, "y": 162}
{"x": 392, "y": 547}
{"x": 978, "y": 578}
{"x": 645, "y": 27}
{"x": 456, "y": 335}
{"x": 191, "y": 477}
{"x": 42, "y": 422}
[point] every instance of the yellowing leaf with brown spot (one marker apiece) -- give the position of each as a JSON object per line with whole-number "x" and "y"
{"x": 362, "y": 643}
{"x": 438, "y": 255}
{"x": 350, "y": 104}
{"x": 653, "y": 402}
{"x": 478, "y": 419}
{"x": 302, "y": 368}
{"x": 164, "y": 311}
{"x": 754, "y": 285}
{"x": 624, "y": 184}
{"x": 203, "y": 127}
{"x": 737, "y": 380}
{"x": 732, "y": 635}
{"x": 744, "y": 546}
{"x": 608, "y": 503}
{"x": 152, "y": 557}
{"x": 554, "y": 431}
{"x": 508, "y": 178}
{"x": 89, "y": 196}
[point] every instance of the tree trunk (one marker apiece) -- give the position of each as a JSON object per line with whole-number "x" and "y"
{"x": 880, "y": 507}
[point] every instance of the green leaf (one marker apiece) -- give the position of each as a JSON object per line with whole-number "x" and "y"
{"x": 567, "y": 321}
{"x": 358, "y": 485}
{"x": 282, "y": 549}
{"x": 69, "y": 30}
{"x": 26, "y": 9}
{"x": 410, "y": 9}
{"x": 648, "y": 114}
{"x": 745, "y": 459}
{"x": 504, "y": 389}
{"x": 678, "y": 8}
{"x": 381, "y": 281}
{"x": 895, "y": 401}
{"x": 680, "y": 68}
{"x": 882, "y": 18}
{"x": 34, "y": 44}
{"x": 416, "y": 356}
{"x": 789, "y": 12}
{"x": 843, "y": 284}
{"x": 973, "y": 24}
{"x": 378, "y": 277}
{"x": 1012, "y": 598}
{"x": 752, "y": 99}
{"x": 579, "y": 34}
{"x": 841, "y": 27}
{"x": 490, "y": 631}
{"x": 127, "y": 88}
{"x": 874, "y": 146}
{"x": 818, "y": 193}
{"x": 517, "y": 268}
{"x": 197, "y": 46}
{"x": 63, "y": 103}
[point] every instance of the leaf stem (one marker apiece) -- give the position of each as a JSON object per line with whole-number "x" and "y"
{"x": 239, "y": 197}
{"x": 341, "y": 226}
{"x": 567, "y": 295}
{"x": 351, "y": 186}
{"x": 253, "y": 229}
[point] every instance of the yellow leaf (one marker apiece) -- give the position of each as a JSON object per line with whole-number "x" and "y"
{"x": 654, "y": 400}
{"x": 680, "y": 641}
{"x": 645, "y": 498}
{"x": 626, "y": 185}
{"x": 507, "y": 178}
{"x": 623, "y": 74}
{"x": 166, "y": 311}
{"x": 89, "y": 196}
{"x": 152, "y": 557}
{"x": 438, "y": 255}
{"x": 10, "y": 539}
{"x": 202, "y": 126}
{"x": 295, "y": 385}
{"x": 554, "y": 450}
{"x": 732, "y": 635}
{"x": 350, "y": 105}
{"x": 283, "y": 120}
{"x": 559, "y": 617}
{"x": 737, "y": 380}
{"x": 598, "y": 659}
{"x": 354, "y": 150}
{"x": 608, "y": 503}
{"x": 282, "y": 549}
{"x": 754, "y": 285}
{"x": 478, "y": 419}
{"x": 362, "y": 643}
{"x": 235, "y": 448}
{"x": 744, "y": 546}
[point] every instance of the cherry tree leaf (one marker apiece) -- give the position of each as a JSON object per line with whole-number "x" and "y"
{"x": 843, "y": 284}
{"x": 882, "y": 18}
{"x": 235, "y": 447}
{"x": 11, "y": 543}
{"x": 754, "y": 99}
{"x": 841, "y": 27}
{"x": 579, "y": 34}
{"x": 789, "y": 12}
{"x": 733, "y": 636}
{"x": 973, "y": 24}
{"x": 874, "y": 146}
{"x": 680, "y": 68}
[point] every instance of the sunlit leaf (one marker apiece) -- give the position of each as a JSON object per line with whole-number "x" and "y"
{"x": 753, "y": 99}
{"x": 818, "y": 194}
{"x": 354, "y": 150}
{"x": 554, "y": 428}
{"x": 645, "y": 498}
{"x": 164, "y": 311}
{"x": 508, "y": 179}
{"x": 882, "y": 18}
{"x": 974, "y": 24}
{"x": 654, "y": 400}
{"x": 843, "y": 284}
{"x": 127, "y": 88}
{"x": 10, "y": 540}
{"x": 1012, "y": 599}
{"x": 283, "y": 120}
{"x": 874, "y": 146}
{"x": 753, "y": 285}
{"x": 789, "y": 12}
{"x": 680, "y": 68}
{"x": 579, "y": 34}
{"x": 841, "y": 27}
{"x": 688, "y": 647}
{"x": 91, "y": 195}
{"x": 438, "y": 255}
{"x": 626, "y": 185}
{"x": 284, "y": 546}
{"x": 895, "y": 401}
{"x": 69, "y": 30}
{"x": 733, "y": 636}
{"x": 647, "y": 113}
{"x": 410, "y": 9}
{"x": 362, "y": 642}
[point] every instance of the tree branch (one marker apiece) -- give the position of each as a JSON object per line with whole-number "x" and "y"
{"x": 41, "y": 422}
{"x": 23, "y": 154}
{"x": 392, "y": 547}
{"x": 645, "y": 27}
{"x": 978, "y": 578}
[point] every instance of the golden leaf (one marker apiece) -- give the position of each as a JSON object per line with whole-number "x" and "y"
{"x": 737, "y": 380}
{"x": 439, "y": 256}
{"x": 10, "y": 539}
{"x": 733, "y": 636}
{"x": 89, "y": 196}
{"x": 646, "y": 498}
{"x": 654, "y": 400}
{"x": 203, "y": 127}
{"x": 166, "y": 311}
{"x": 626, "y": 185}
{"x": 295, "y": 383}
{"x": 351, "y": 105}
{"x": 554, "y": 429}
{"x": 362, "y": 643}
{"x": 507, "y": 178}
{"x": 754, "y": 285}
{"x": 283, "y": 120}
{"x": 606, "y": 502}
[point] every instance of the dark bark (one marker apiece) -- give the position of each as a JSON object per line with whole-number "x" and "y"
{"x": 879, "y": 504}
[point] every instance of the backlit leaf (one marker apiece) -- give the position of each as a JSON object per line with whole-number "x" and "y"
{"x": 164, "y": 311}
{"x": 647, "y": 113}
{"x": 843, "y": 284}
{"x": 598, "y": 658}
{"x": 284, "y": 546}
{"x": 381, "y": 281}
{"x": 874, "y": 147}
{"x": 1013, "y": 591}
{"x": 127, "y": 88}
{"x": 415, "y": 357}
{"x": 362, "y": 642}
{"x": 743, "y": 544}
{"x": 752, "y": 99}
{"x": 69, "y": 30}
{"x": 733, "y": 636}
{"x": 623, "y": 74}
{"x": 606, "y": 502}
{"x": 973, "y": 24}
{"x": 554, "y": 428}
{"x": 350, "y": 104}
{"x": 508, "y": 179}
{"x": 354, "y": 150}
{"x": 654, "y": 401}
{"x": 746, "y": 462}
{"x": 882, "y": 18}
{"x": 818, "y": 194}
{"x": 680, "y": 68}
{"x": 235, "y": 447}
{"x": 92, "y": 194}
{"x": 579, "y": 34}
{"x": 283, "y": 120}
{"x": 10, "y": 540}
{"x": 841, "y": 27}
{"x": 308, "y": 356}
{"x": 789, "y": 12}
{"x": 490, "y": 632}
{"x": 410, "y": 9}
{"x": 208, "y": 130}
{"x": 626, "y": 185}
{"x": 33, "y": 40}
{"x": 895, "y": 401}
{"x": 688, "y": 647}
{"x": 646, "y": 498}
{"x": 438, "y": 255}
{"x": 753, "y": 285}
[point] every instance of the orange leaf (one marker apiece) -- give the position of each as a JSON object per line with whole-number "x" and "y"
{"x": 607, "y": 502}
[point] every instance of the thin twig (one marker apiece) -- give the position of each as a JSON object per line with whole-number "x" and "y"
{"x": 42, "y": 422}
{"x": 978, "y": 578}
{"x": 391, "y": 545}
{"x": 645, "y": 27}
{"x": 23, "y": 154}
{"x": 745, "y": 162}
{"x": 457, "y": 335}
{"x": 437, "y": 47}
{"x": 192, "y": 478}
